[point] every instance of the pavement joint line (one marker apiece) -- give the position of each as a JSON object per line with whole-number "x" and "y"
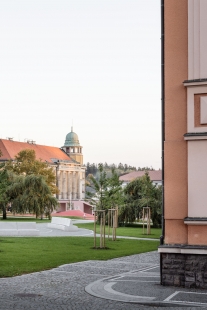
{"x": 145, "y": 269}
{"x": 171, "y": 296}
{"x": 121, "y": 278}
{"x": 148, "y": 276}
{"x": 90, "y": 274}
{"x": 197, "y": 304}
{"x": 198, "y": 293}
{"x": 127, "y": 273}
{"x": 183, "y": 292}
{"x": 138, "y": 281}
{"x": 108, "y": 288}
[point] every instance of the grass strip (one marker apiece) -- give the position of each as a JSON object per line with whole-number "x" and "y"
{"x": 25, "y": 219}
{"x": 34, "y": 219}
{"x": 125, "y": 231}
{"x": 25, "y": 255}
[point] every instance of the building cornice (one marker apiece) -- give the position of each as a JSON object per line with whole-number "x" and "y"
{"x": 195, "y": 136}
{"x": 183, "y": 249}
{"x": 195, "y": 221}
{"x": 196, "y": 82}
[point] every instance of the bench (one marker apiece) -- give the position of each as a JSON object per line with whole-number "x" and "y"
{"x": 18, "y": 229}
{"x": 62, "y": 223}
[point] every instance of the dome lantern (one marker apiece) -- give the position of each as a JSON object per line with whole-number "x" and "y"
{"x": 71, "y": 139}
{"x": 72, "y": 146}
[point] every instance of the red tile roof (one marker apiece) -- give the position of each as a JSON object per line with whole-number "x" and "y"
{"x": 46, "y": 153}
{"x": 155, "y": 175}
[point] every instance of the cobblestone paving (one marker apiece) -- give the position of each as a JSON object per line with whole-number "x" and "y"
{"x": 64, "y": 287}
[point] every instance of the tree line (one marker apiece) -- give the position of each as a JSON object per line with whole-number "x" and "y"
{"x": 106, "y": 192}
{"x": 92, "y": 168}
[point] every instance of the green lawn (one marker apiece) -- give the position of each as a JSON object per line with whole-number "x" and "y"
{"x": 33, "y": 219}
{"x": 126, "y": 231}
{"x": 25, "y": 255}
{"x": 121, "y": 231}
{"x": 25, "y": 219}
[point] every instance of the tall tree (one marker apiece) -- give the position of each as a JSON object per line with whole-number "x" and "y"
{"x": 142, "y": 193}
{"x": 131, "y": 208}
{"x": 25, "y": 163}
{"x": 27, "y": 183}
{"x": 31, "y": 194}
{"x": 6, "y": 179}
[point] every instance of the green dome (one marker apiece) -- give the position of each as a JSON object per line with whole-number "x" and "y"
{"x": 71, "y": 139}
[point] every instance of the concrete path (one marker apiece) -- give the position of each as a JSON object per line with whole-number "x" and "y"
{"x": 51, "y": 232}
{"x": 129, "y": 283}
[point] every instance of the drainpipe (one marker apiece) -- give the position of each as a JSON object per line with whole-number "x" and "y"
{"x": 163, "y": 127}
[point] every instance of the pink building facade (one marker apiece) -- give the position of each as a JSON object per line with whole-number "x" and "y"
{"x": 183, "y": 249}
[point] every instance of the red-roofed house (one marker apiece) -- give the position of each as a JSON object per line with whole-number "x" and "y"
{"x": 155, "y": 176}
{"x": 49, "y": 154}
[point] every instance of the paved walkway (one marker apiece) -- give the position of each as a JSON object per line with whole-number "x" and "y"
{"x": 129, "y": 283}
{"x": 49, "y": 232}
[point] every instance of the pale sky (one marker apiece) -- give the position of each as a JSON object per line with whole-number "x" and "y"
{"x": 95, "y": 63}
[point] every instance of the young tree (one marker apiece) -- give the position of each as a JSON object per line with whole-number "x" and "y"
{"x": 97, "y": 189}
{"x": 114, "y": 190}
{"x": 106, "y": 192}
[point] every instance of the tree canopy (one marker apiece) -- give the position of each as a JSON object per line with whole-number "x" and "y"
{"x": 28, "y": 184}
{"x": 120, "y": 169}
{"x": 31, "y": 194}
{"x": 25, "y": 163}
{"x": 104, "y": 192}
{"x": 142, "y": 193}
{"x": 6, "y": 179}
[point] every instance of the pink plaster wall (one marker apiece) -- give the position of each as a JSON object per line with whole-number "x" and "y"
{"x": 176, "y": 71}
{"x": 177, "y": 233}
{"x": 197, "y": 235}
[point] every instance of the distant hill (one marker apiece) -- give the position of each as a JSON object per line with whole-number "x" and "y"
{"x": 120, "y": 169}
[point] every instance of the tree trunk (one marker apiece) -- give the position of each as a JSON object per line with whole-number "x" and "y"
{"x": 4, "y": 213}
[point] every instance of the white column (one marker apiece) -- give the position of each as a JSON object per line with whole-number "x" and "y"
{"x": 78, "y": 185}
{"x": 68, "y": 185}
{"x": 73, "y": 186}
{"x": 63, "y": 184}
{"x": 59, "y": 183}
